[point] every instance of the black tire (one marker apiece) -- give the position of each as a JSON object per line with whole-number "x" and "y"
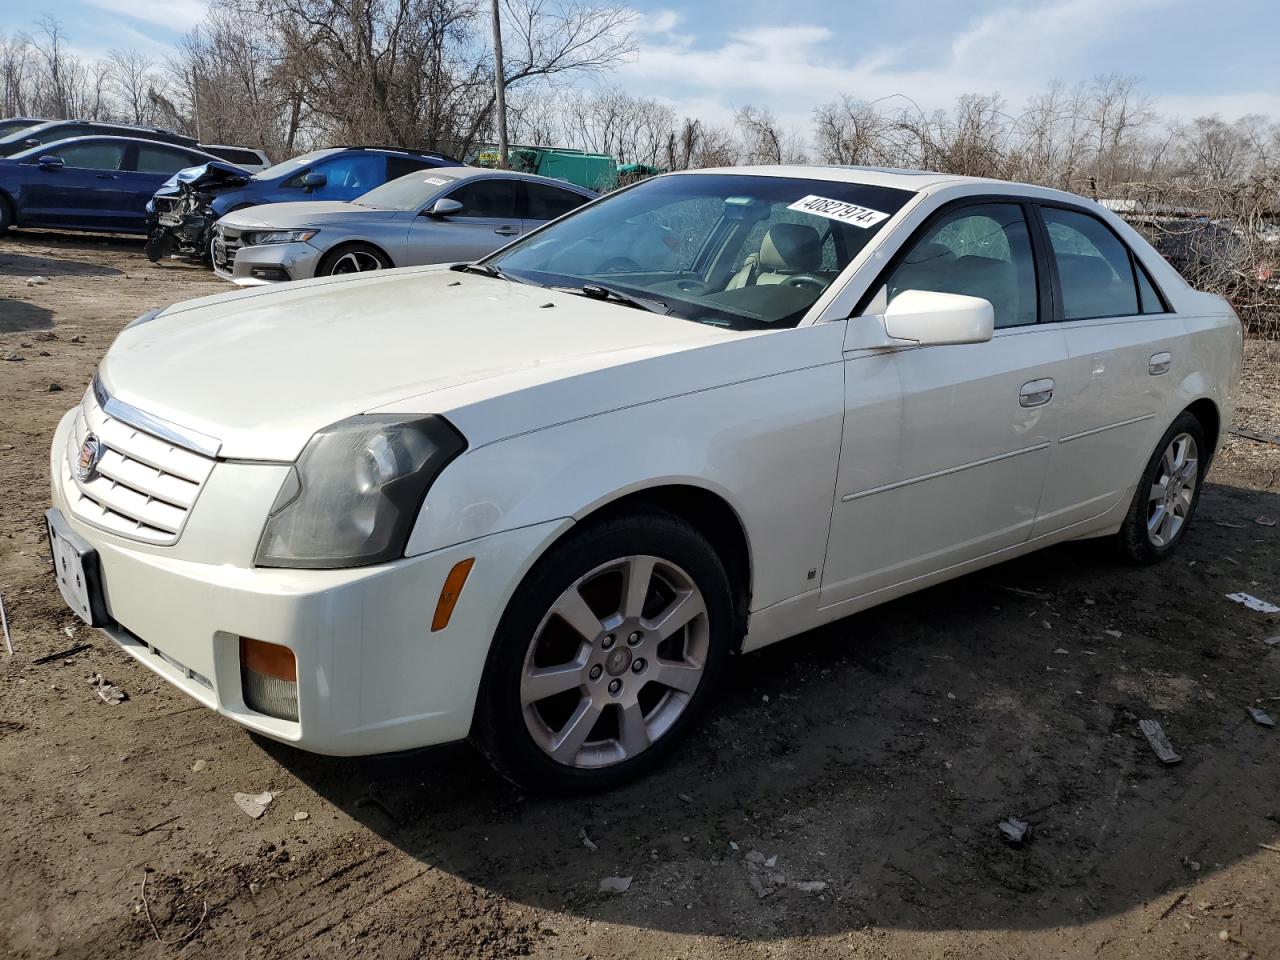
{"x": 6, "y": 215}
{"x": 1136, "y": 540}
{"x": 333, "y": 260}
{"x": 499, "y": 728}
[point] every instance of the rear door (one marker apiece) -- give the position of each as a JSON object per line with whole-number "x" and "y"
{"x": 85, "y": 193}
{"x": 1125, "y": 350}
{"x": 150, "y": 165}
{"x": 486, "y": 222}
{"x": 540, "y": 202}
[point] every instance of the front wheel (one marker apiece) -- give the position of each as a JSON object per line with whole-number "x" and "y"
{"x": 355, "y": 258}
{"x": 6, "y": 216}
{"x": 607, "y": 655}
{"x": 1167, "y": 494}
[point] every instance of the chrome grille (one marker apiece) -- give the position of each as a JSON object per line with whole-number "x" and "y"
{"x": 226, "y": 244}
{"x": 143, "y": 487}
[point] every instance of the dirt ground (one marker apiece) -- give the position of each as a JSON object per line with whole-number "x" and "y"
{"x": 873, "y": 758}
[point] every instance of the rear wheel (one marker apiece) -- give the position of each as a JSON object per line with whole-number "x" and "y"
{"x": 354, "y": 258}
{"x": 1167, "y": 494}
{"x": 607, "y": 655}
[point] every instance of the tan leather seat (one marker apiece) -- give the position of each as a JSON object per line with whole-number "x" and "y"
{"x": 786, "y": 250}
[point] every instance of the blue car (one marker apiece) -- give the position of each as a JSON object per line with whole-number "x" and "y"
{"x": 338, "y": 173}
{"x": 101, "y": 184}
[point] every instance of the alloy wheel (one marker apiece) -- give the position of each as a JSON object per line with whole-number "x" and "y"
{"x": 355, "y": 261}
{"x": 1169, "y": 502}
{"x": 615, "y": 662}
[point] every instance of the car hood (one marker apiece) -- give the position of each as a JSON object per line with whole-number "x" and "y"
{"x": 262, "y": 370}
{"x": 302, "y": 214}
{"x": 207, "y": 177}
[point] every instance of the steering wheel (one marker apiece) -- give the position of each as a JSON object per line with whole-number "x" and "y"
{"x": 806, "y": 280}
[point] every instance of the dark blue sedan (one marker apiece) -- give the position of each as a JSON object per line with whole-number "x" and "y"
{"x": 89, "y": 183}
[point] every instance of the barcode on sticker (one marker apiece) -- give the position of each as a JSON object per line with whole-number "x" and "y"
{"x": 841, "y": 210}
{"x": 436, "y": 180}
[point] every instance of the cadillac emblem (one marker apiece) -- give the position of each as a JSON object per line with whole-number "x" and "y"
{"x": 90, "y": 454}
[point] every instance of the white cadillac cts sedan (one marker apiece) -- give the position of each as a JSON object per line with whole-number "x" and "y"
{"x": 537, "y": 501}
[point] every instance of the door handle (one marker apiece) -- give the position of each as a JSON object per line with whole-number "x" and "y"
{"x": 1160, "y": 363}
{"x": 1036, "y": 393}
{"x": 506, "y": 231}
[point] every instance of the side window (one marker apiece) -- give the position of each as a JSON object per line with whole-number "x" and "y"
{"x": 546, "y": 203}
{"x": 92, "y": 156}
{"x": 979, "y": 251}
{"x": 162, "y": 160}
{"x": 1093, "y": 266}
{"x": 1150, "y": 298}
{"x": 487, "y": 198}
{"x": 403, "y": 166}
{"x": 346, "y": 176}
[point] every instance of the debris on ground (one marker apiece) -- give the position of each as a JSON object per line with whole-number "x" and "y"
{"x": 1015, "y": 829}
{"x": 107, "y": 692}
{"x": 1228, "y": 524}
{"x": 615, "y": 884}
{"x": 808, "y": 886}
{"x": 684, "y": 798}
{"x": 1253, "y": 603}
{"x": 255, "y": 805}
{"x": 1160, "y": 744}
{"x": 1113, "y": 633}
{"x": 586, "y": 840}
{"x": 55, "y": 387}
{"x": 63, "y": 654}
{"x": 1273, "y": 641}
{"x": 1264, "y": 521}
{"x": 37, "y": 281}
{"x": 4, "y": 623}
{"x": 1261, "y": 717}
{"x": 301, "y": 815}
{"x": 199, "y": 766}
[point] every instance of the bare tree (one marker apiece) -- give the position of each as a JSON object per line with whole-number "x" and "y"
{"x": 131, "y": 79}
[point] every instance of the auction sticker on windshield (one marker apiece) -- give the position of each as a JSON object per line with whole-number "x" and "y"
{"x": 436, "y": 180}
{"x": 841, "y": 210}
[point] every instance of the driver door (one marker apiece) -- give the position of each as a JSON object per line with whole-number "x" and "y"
{"x": 486, "y": 222}
{"x": 945, "y": 448}
{"x": 87, "y": 192}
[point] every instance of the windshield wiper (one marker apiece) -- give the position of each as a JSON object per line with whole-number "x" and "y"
{"x": 489, "y": 270}
{"x": 598, "y": 291}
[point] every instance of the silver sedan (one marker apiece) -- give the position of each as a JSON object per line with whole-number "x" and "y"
{"x": 442, "y": 215}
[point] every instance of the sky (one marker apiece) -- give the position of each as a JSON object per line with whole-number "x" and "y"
{"x": 711, "y": 56}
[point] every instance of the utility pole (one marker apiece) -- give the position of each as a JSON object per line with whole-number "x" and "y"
{"x": 500, "y": 87}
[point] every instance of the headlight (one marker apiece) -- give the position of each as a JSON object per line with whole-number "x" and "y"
{"x": 355, "y": 492}
{"x": 281, "y": 236}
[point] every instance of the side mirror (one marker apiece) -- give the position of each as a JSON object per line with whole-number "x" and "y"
{"x": 443, "y": 208}
{"x": 51, "y": 163}
{"x": 313, "y": 181}
{"x": 937, "y": 319}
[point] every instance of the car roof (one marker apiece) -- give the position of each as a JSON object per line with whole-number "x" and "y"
{"x": 917, "y": 181}
{"x": 468, "y": 173}
{"x": 104, "y": 136}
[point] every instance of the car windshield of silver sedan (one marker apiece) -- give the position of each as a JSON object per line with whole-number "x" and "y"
{"x": 737, "y": 251}
{"x": 405, "y": 193}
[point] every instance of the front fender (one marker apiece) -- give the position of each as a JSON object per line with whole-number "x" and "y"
{"x": 768, "y": 447}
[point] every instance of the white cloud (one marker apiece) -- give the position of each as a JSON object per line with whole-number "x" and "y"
{"x": 657, "y": 21}
{"x": 177, "y": 15}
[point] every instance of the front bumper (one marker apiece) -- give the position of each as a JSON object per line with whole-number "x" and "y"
{"x": 372, "y": 677}
{"x": 270, "y": 263}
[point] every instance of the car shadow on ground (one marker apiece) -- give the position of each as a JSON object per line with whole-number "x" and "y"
{"x": 877, "y": 756}
{"x": 28, "y": 265}
{"x": 17, "y": 316}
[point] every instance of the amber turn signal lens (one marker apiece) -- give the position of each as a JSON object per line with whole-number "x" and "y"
{"x": 269, "y": 659}
{"x": 449, "y": 594}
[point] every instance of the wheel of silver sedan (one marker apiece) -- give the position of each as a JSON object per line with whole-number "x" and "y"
{"x": 615, "y": 662}
{"x": 1173, "y": 491}
{"x": 355, "y": 261}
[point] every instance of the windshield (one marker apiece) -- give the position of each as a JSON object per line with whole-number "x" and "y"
{"x": 744, "y": 252}
{"x": 288, "y": 166}
{"x": 405, "y": 193}
{"x": 12, "y": 128}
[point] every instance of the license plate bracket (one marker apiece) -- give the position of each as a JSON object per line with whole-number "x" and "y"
{"x": 77, "y": 571}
